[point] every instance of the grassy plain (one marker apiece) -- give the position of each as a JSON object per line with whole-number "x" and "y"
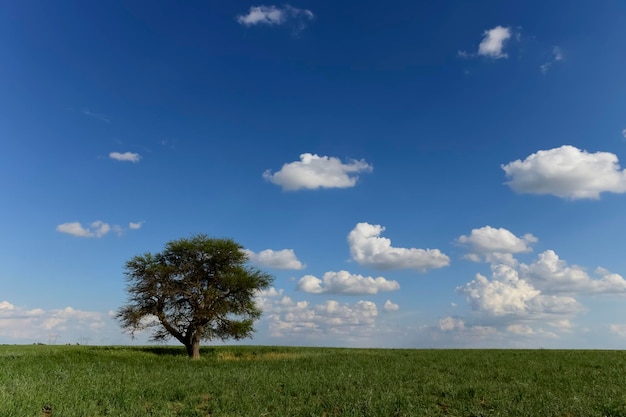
{"x": 85, "y": 381}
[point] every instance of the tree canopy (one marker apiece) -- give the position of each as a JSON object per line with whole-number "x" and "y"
{"x": 196, "y": 289}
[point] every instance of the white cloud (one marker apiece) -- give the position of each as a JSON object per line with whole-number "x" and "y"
{"x": 618, "y": 329}
{"x": 282, "y": 259}
{"x": 313, "y": 172}
{"x": 126, "y": 156}
{"x": 567, "y": 172}
{"x": 492, "y": 44}
{"x": 135, "y": 226}
{"x": 519, "y": 328}
{"x": 95, "y": 229}
{"x": 557, "y": 55}
{"x": 369, "y": 249}
{"x": 275, "y": 16}
{"x": 508, "y": 295}
{"x": 37, "y": 324}
{"x": 495, "y": 245}
{"x": 552, "y": 275}
{"x": 389, "y": 307}
{"x": 624, "y": 133}
{"x": 345, "y": 283}
{"x": 449, "y": 324}
{"x": 288, "y": 318}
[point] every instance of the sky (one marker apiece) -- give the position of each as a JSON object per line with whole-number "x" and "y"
{"x": 414, "y": 174}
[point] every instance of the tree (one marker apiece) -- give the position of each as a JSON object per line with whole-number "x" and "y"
{"x": 196, "y": 289}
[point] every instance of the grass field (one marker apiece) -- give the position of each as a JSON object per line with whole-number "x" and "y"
{"x": 85, "y": 381}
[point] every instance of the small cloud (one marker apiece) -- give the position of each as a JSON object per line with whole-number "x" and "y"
{"x": 389, "y": 307}
{"x": 624, "y": 133}
{"x": 618, "y": 329}
{"x": 313, "y": 172}
{"x": 282, "y": 259}
{"x": 495, "y": 245}
{"x": 95, "y": 229}
{"x": 369, "y": 249}
{"x": 135, "y": 226}
{"x": 566, "y": 172}
{"x": 126, "y": 156}
{"x": 521, "y": 329}
{"x": 345, "y": 283}
{"x": 557, "y": 55}
{"x": 492, "y": 45}
{"x": 449, "y": 324}
{"x": 276, "y": 16}
{"x": 117, "y": 229}
{"x": 493, "y": 42}
{"x": 99, "y": 116}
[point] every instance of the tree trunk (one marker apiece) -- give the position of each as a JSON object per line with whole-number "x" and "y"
{"x": 193, "y": 349}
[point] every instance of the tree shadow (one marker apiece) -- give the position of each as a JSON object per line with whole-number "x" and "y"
{"x": 175, "y": 350}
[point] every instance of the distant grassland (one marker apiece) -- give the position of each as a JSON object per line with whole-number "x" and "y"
{"x": 85, "y": 381}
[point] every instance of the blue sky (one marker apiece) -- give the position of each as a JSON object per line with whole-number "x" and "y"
{"x": 414, "y": 174}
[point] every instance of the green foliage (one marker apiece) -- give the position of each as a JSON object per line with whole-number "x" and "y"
{"x": 276, "y": 381}
{"x": 196, "y": 289}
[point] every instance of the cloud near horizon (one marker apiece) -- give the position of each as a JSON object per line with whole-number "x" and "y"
{"x": 566, "y": 172}
{"x": 313, "y": 172}
{"x": 506, "y": 295}
{"x": 524, "y": 298}
{"x": 303, "y": 321}
{"x": 28, "y": 325}
{"x": 369, "y": 249}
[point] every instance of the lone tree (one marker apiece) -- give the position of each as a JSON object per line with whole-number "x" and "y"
{"x": 196, "y": 289}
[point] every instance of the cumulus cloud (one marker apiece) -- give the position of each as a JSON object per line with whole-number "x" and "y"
{"x": 552, "y": 275}
{"x": 508, "y": 295}
{"x": 313, "y": 172}
{"x": 282, "y": 259}
{"x": 37, "y": 324}
{"x": 492, "y": 45}
{"x": 389, "y": 306}
{"x": 566, "y": 172}
{"x": 95, "y": 229}
{"x": 624, "y": 133}
{"x": 495, "y": 245}
{"x": 519, "y": 299}
{"x": 448, "y": 324}
{"x": 290, "y": 318}
{"x": 126, "y": 156}
{"x": 557, "y": 55}
{"x": 345, "y": 283}
{"x": 493, "y": 42}
{"x": 276, "y": 16}
{"x": 135, "y": 226}
{"x": 369, "y": 249}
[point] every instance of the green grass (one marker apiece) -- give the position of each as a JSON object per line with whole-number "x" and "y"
{"x": 273, "y": 381}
